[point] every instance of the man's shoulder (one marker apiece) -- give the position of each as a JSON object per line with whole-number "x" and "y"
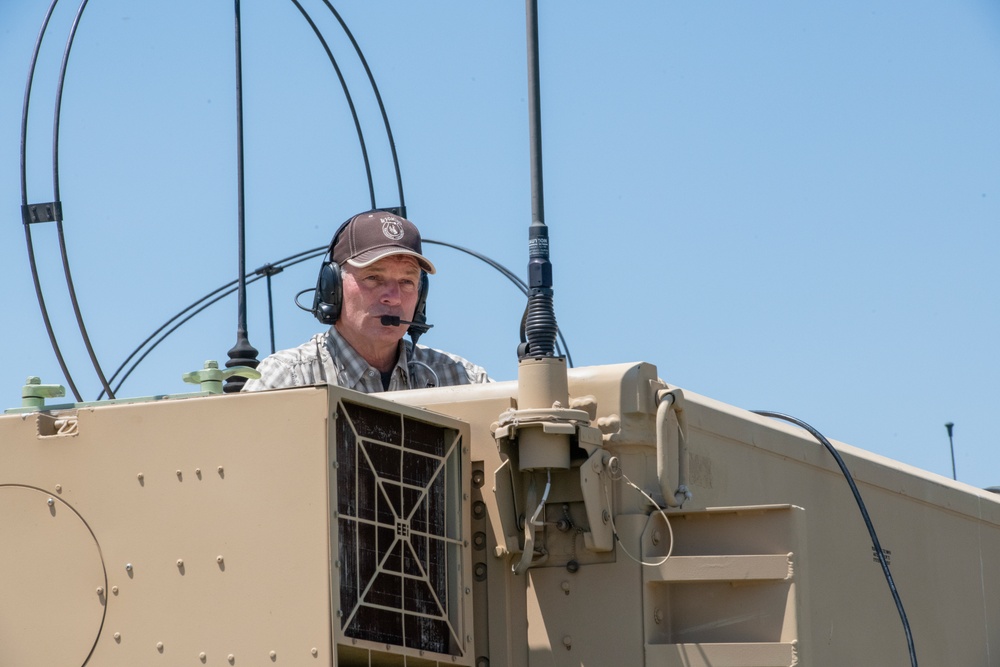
{"x": 306, "y": 353}
{"x": 290, "y": 367}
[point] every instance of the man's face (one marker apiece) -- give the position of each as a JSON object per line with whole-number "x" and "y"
{"x": 387, "y": 287}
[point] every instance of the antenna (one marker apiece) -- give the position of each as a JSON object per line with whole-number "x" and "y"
{"x": 543, "y": 423}
{"x": 951, "y": 443}
{"x": 243, "y": 353}
{"x": 540, "y": 318}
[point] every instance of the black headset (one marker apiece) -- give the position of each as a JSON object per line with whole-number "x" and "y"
{"x": 329, "y": 296}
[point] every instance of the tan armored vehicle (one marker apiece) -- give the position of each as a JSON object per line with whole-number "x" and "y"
{"x": 318, "y": 526}
{"x": 595, "y": 516}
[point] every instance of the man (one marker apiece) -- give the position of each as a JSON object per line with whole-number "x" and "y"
{"x": 375, "y": 271}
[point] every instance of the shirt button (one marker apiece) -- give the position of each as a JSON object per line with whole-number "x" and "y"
{"x": 371, "y": 374}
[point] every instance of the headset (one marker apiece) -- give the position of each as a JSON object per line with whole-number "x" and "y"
{"x": 329, "y": 295}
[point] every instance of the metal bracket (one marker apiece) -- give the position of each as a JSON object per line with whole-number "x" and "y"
{"x": 47, "y": 212}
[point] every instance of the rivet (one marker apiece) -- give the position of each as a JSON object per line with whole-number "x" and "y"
{"x": 159, "y": 646}
{"x": 340, "y": 613}
{"x": 51, "y": 502}
{"x": 180, "y": 562}
{"x": 114, "y": 589}
{"x": 273, "y": 655}
{"x": 656, "y": 537}
{"x": 231, "y": 658}
{"x": 180, "y": 475}
{"x": 140, "y": 477}
{"x": 128, "y": 567}
{"x": 58, "y": 488}
{"x": 197, "y": 471}
{"x": 468, "y": 590}
{"x": 202, "y": 656}
{"x": 567, "y": 642}
{"x": 218, "y": 559}
{"x": 118, "y": 636}
{"x": 314, "y": 652}
{"x": 100, "y": 591}
{"x": 221, "y": 471}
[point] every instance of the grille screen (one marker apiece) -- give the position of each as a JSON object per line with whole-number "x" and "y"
{"x": 399, "y": 523}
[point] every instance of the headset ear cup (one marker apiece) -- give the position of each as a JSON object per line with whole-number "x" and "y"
{"x": 329, "y": 294}
{"x": 420, "y": 311}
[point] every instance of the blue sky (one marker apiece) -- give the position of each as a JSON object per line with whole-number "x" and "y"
{"x": 783, "y": 205}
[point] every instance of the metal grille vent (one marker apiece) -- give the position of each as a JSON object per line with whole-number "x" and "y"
{"x": 399, "y": 502}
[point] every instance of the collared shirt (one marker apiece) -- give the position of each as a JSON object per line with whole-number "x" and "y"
{"x": 329, "y": 359}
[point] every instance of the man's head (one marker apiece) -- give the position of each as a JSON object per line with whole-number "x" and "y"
{"x": 368, "y": 237}
{"x": 380, "y": 261}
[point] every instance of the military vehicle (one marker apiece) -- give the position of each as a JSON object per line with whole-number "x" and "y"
{"x": 576, "y": 516}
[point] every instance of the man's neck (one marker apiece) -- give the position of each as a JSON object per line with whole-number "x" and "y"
{"x": 380, "y": 356}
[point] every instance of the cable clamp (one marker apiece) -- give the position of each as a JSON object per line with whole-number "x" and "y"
{"x": 46, "y": 212}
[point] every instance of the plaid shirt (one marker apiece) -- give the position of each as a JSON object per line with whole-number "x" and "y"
{"x": 329, "y": 359}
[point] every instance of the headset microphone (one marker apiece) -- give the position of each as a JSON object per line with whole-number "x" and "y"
{"x": 395, "y": 321}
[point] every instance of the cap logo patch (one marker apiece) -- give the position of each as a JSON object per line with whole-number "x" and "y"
{"x": 392, "y": 228}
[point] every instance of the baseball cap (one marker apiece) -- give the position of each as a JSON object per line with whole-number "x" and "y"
{"x": 368, "y": 237}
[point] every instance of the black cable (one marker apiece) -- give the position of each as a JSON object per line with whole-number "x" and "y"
{"x": 381, "y": 107}
{"x": 864, "y": 514}
{"x": 55, "y": 190}
{"x": 347, "y": 96}
{"x": 270, "y": 310}
{"x": 32, "y": 263}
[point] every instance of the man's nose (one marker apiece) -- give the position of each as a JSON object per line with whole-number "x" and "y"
{"x": 391, "y": 293}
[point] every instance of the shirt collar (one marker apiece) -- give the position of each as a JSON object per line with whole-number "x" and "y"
{"x": 352, "y": 367}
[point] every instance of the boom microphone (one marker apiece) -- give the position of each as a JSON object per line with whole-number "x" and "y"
{"x": 395, "y": 321}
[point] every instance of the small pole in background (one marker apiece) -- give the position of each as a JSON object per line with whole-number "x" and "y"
{"x": 951, "y": 443}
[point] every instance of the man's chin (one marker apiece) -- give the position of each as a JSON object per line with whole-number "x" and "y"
{"x": 380, "y": 332}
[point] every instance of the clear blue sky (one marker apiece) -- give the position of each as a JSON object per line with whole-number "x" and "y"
{"x": 783, "y": 205}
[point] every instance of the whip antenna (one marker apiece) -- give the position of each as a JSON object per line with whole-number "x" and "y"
{"x": 243, "y": 353}
{"x": 540, "y": 328}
